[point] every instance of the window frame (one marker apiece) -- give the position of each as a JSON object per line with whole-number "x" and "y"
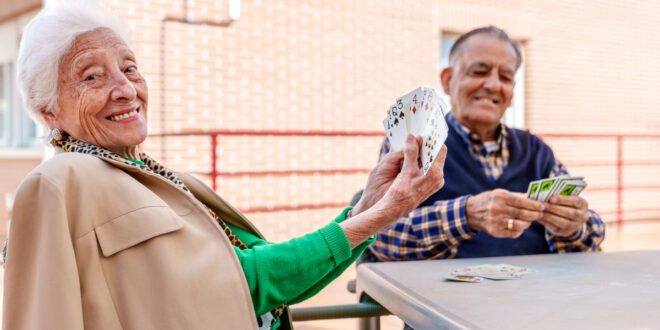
{"x": 18, "y": 130}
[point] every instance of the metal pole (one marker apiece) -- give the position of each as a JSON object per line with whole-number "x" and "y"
{"x": 214, "y": 171}
{"x": 619, "y": 177}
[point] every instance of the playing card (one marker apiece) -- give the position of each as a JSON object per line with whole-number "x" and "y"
{"x": 421, "y": 113}
{"x": 437, "y": 100}
{"x": 533, "y": 189}
{"x": 559, "y": 180}
{"x": 395, "y": 127}
{"x": 419, "y": 116}
{"x": 563, "y": 185}
{"x": 464, "y": 278}
{"x": 493, "y": 272}
{"x": 570, "y": 185}
{"x": 434, "y": 137}
{"x": 579, "y": 186}
{"x": 429, "y": 101}
{"x": 544, "y": 189}
{"x": 577, "y": 191}
{"x": 410, "y": 104}
{"x": 514, "y": 269}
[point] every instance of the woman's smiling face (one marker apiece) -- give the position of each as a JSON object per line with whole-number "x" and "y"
{"x": 102, "y": 97}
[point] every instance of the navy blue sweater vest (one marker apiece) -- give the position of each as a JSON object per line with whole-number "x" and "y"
{"x": 529, "y": 159}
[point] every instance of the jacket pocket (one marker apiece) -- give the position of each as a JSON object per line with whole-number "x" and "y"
{"x": 136, "y": 227}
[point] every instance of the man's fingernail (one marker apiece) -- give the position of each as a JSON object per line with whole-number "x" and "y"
{"x": 409, "y": 138}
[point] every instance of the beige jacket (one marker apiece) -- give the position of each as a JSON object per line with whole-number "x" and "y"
{"x": 98, "y": 244}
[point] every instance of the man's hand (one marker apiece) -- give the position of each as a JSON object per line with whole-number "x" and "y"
{"x": 491, "y": 211}
{"x": 564, "y": 215}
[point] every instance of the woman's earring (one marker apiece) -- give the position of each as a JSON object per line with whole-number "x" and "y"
{"x": 56, "y": 134}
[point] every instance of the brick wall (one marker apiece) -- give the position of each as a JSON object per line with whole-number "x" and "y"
{"x": 314, "y": 65}
{"x": 336, "y": 65}
{"x": 591, "y": 66}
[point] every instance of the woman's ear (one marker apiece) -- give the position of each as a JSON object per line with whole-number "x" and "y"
{"x": 445, "y": 77}
{"x": 49, "y": 117}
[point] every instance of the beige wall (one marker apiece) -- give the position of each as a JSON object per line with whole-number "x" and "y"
{"x": 14, "y": 168}
{"x": 12, "y": 8}
{"x": 591, "y": 66}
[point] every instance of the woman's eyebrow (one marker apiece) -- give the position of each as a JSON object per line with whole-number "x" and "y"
{"x": 83, "y": 62}
{"x": 127, "y": 53}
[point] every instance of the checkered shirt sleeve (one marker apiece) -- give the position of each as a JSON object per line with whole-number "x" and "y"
{"x": 431, "y": 232}
{"x": 588, "y": 238}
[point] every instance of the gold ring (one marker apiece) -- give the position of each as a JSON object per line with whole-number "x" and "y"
{"x": 509, "y": 225}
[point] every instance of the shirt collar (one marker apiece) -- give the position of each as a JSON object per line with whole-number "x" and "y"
{"x": 473, "y": 139}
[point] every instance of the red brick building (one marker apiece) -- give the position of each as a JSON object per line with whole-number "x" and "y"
{"x": 590, "y": 67}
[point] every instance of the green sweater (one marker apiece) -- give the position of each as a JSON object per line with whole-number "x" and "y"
{"x": 290, "y": 272}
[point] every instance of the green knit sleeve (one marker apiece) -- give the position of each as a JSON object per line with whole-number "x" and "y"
{"x": 293, "y": 271}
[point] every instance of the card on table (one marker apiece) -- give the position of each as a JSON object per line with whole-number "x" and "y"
{"x": 489, "y": 271}
{"x": 464, "y": 278}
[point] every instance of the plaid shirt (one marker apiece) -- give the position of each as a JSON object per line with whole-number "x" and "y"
{"x": 436, "y": 231}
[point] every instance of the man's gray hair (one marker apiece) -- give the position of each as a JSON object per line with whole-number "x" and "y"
{"x": 490, "y": 30}
{"x": 47, "y": 38}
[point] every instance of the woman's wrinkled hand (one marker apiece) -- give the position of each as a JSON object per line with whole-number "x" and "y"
{"x": 394, "y": 189}
{"x": 411, "y": 187}
{"x": 380, "y": 180}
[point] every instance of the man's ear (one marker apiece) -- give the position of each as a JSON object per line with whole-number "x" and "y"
{"x": 445, "y": 77}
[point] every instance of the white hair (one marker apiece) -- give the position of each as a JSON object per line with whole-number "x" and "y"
{"x": 47, "y": 38}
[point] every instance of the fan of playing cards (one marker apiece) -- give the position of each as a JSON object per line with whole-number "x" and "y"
{"x": 420, "y": 113}
{"x": 542, "y": 190}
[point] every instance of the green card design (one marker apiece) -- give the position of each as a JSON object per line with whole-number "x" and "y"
{"x": 544, "y": 189}
{"x": 533, "y": 189}
{"x": 568, "y": 189}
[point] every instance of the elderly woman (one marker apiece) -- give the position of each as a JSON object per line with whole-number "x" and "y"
{"x": 105, "y": 237}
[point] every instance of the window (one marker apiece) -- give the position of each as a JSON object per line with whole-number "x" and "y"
{"x": 4, "y": 105}
{"x": 17, "y": 130}
{"x": 515, "y": 114}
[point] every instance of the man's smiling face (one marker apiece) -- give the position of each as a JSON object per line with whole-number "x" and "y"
{"x": 482, "y": 80}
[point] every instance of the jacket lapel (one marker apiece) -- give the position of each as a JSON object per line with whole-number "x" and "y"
{"x": 223, "y": 209}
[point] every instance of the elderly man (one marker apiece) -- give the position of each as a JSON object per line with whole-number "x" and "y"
{"x": 481, "y": 212}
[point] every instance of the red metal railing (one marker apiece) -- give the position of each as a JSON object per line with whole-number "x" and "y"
{"x": 214, "y": 173}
